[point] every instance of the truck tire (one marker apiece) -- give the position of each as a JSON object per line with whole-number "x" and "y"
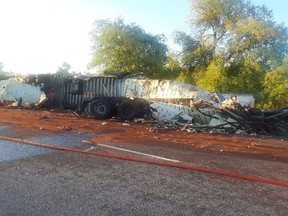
{"x": 128, "y": 110}
{"x": 143, "y": 108}
{"x": 101, "y": 109}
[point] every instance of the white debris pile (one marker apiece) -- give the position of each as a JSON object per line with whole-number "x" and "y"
{"x": 230, "y": 117}
{"x": 173, "y": 101}
{"x": 20, "y": 93}
{"x": 170, "y": 112}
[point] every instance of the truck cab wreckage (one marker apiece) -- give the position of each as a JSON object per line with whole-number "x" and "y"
{"x": 169, "y": 103}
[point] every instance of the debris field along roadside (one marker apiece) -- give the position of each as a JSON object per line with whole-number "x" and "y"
{"x": 129, "y": 97}
{"x": 172, "y": 122}
{"x": 142, "y": 132}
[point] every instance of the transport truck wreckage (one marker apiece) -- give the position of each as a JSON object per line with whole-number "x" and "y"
{"x": 164, "y": 103}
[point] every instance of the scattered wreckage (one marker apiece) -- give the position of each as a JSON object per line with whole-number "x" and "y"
{"x": 171, "y": 104}
{"x": 16, "y": 93}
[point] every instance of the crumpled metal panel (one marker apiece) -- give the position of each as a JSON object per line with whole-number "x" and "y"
{"x": 172, "y": 112}
{"x": 169, "y": 112}
{"x": 204, "y": 117}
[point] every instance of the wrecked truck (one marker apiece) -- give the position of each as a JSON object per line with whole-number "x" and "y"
{"x": 132, "y": 96}
{"x": 126, "y": 98}
{"x": 165, "y": 101}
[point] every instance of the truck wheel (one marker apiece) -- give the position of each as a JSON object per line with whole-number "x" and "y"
{"x": 101, "y": 109}
{"x": 144, "y": 108}
{"x": 128, "y": 110}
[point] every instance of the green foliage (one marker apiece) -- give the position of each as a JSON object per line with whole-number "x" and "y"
{"x": 127, "y": 48}
{"x": 64, "y": 70}
{"x": 276, "y": 88}
{"x": 234, "y": 45}
{"x": 195, "y": 54}
{"x": 172, "y": 69}
{"x": 244, "y": 77}
{"x": 213, "y": 79}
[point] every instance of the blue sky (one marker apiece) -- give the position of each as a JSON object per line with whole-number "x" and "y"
{"x": 37, "y": 36}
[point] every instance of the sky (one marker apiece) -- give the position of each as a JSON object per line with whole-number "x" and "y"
{"x": 37, "y": 36}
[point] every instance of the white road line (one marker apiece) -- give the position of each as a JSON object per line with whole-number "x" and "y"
{"x": 86, "y": 141}
{"x": 91, "y": 148}
{"x": 135, "y": 152}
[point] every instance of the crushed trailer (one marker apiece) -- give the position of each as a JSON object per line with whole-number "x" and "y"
{"x": 127, "y": 98}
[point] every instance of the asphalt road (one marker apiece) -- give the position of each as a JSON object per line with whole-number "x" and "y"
{"x": 41, "y": 181}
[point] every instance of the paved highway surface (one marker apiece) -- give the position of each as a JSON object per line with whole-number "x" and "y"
{"x": 43, "y": 181}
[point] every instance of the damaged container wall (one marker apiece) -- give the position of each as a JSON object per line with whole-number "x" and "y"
{"x": 55, "y": 89}
{"x": 71, "y": 98}
{"x": 76, "y": 91}
{"x": 164, "y": 89}
{"x": 69, "y": 92}
{"x": 100, "y": 87}
{"x": 137, "y": 88}
{"x": 51, "y": 85}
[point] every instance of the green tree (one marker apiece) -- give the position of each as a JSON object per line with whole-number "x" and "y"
{"x": 276, "y": 88}
{"x": 127, "y": 48}
{"x": 235, "y": 42}
{"x": 172, "y": 68}
{"x": 213, "y": 79}
{"x": 64, "y": 70}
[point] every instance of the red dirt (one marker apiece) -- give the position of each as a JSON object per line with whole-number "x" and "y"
{"x": 40, "y": 121}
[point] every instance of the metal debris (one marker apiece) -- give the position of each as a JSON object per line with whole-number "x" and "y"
{"x": 228, "y": 116}
{"x": 252, "y": 120}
